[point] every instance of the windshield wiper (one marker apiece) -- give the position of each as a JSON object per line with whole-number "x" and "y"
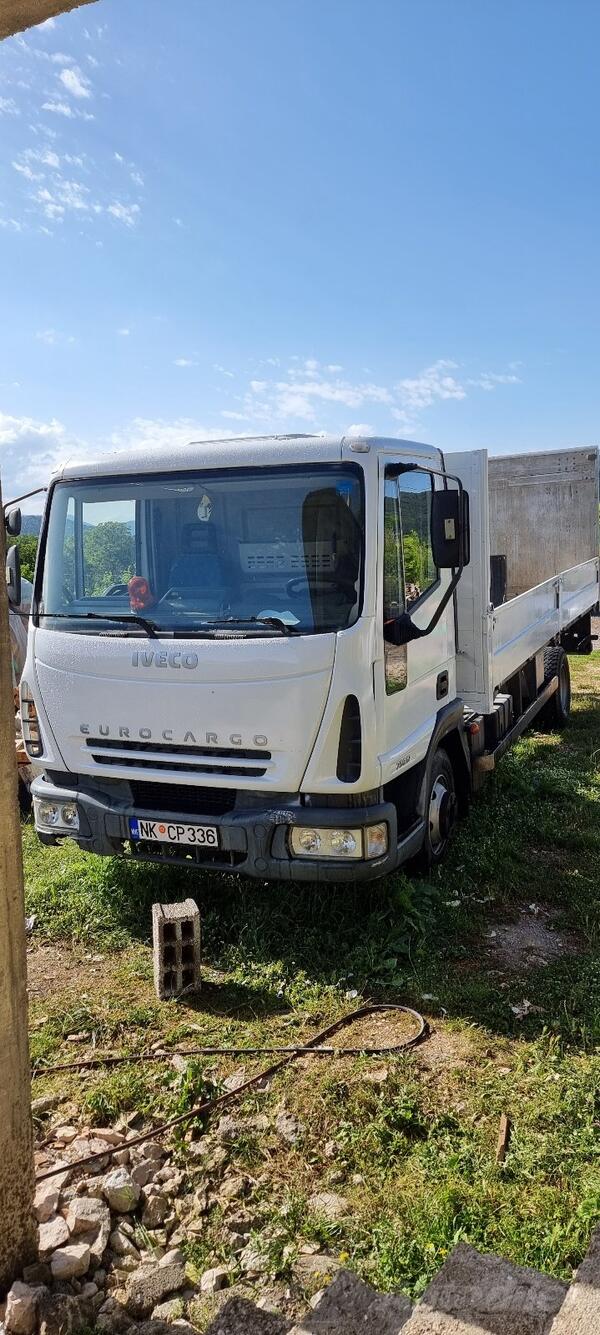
{"x": 275, "y": 622}
{"x": 150, "y": 627}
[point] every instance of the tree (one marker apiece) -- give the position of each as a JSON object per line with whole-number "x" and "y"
{"x": 108, "y": 556}
{"x": 27, "y": 544}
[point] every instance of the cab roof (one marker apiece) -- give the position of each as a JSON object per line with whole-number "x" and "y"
{"x": 239, "y": 452}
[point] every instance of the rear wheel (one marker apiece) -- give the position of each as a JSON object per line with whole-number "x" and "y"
{"x": 556, "y": 664}
{"x": 441, "y": 809}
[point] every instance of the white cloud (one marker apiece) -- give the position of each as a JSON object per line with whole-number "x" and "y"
{"x": 8, "y": 107}
{"x": 75, "y": 82}
{"x": 58, "y": 108}
{"x": 223, "y": 371}
{"x": 12, "y": 224}
{"x": 184, "y": 361}
{"x": 53, "y": 336}
{"x": 359, "y": 429}
{"x": 123, "y": 333}
{"x": 313, "y": 392}
{"x": 137, "y": 178}
{"x": 29, "y": 450}
{"x": 434, "y": 382}
{"x": 125, "y": 213}
{"x": 235, "y": 417}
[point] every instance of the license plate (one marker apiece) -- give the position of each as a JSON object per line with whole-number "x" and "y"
{"x": 171, "y": 832}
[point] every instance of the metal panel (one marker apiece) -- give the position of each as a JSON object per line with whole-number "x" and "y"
{"x": 543, "y": 513}
{"x": 473, "y": 607}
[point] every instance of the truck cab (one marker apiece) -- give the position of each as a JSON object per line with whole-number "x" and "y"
{"x": 243, "y": 655}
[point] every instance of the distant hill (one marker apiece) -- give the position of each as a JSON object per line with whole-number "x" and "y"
{"x": 31, "y": 524}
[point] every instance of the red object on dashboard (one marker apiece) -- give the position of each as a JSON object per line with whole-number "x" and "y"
{"x": 140, "y": 593}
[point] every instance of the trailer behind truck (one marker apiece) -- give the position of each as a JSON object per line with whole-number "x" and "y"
{"x": 281, "y": 657}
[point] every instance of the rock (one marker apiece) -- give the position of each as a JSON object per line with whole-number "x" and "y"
{"x": 45, "y": 1201}
{"x": 234, "y": 1080}
{"x": 86, "y": 1214}
{"x": 52, "y": 1235}
{"x": 211, "y": 1280}
{"x": 37, "y": 1274}
{"x": 99, "y": 1241}
{"x": 290, "y": 1128}
{"x": 148, "y": 1285}
{"x": 60, "y": 1314}
{"x": 122, "y": 1157}
{"x": 240, "y": 1315}
{"x": 45, "y": 1104}
{"x": 168, "y": 1311}
{"x": 329, "y": 1204}
{"x": 21, "y": 1309}
{"x": 322, "y": 1265}
{"x": 86, "y": 1145}
{"x": 70, "y": 1261}
{"x": 143, "y": 1172}
{"x": 252, "y": 1261}
{"x": 65, "y": 1133}
{"x": 121, "y": 1245}
{"x": 473, "y": 1292}
{"x": 88, "y": 1290}
{"x": 155, "y": 1211}
{"x": 109, "y": 1134}
{"x": 120, "y": 1190}
{"x": 234, "y": 1187}
{"x": 154, "y": 1150}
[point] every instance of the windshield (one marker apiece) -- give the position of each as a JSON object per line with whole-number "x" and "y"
{"x": 195, "y": 552}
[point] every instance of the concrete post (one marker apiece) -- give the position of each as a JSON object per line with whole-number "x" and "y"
{"x": 17, "y": 1224}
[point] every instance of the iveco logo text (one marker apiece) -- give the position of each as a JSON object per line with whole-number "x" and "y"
{"x": 148, "y": 658}
{"x": 189, "y": 739}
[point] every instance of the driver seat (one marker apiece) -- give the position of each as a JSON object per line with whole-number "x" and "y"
{"x": 199, "y": 566}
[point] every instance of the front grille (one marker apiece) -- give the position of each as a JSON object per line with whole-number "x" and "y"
{"x": 170, "y": 749}
{"x": 181, "y": 798}
{"x": 152, "y": 851}
{"x": 178, "y": 759}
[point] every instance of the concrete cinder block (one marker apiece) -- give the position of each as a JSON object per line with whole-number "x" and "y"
{"x": 354, "y": 1308}
{"x": 580, "y": 1312}
{"x": 484, "y": 1295}
{"x": 176, "y": 948}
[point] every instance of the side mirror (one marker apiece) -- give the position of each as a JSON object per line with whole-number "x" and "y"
{"x": 12, "y": 522}
{"x": 401, "y": 630}
{"x": 450, "y": 529}
{"x": 13, "y": 576}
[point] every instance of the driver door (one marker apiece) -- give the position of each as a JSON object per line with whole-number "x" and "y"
{"x": 418, "y": 678}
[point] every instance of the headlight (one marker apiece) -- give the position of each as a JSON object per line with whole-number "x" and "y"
{"x": 47, "y": 813}
{"x": 56, "y": 815}
{"x": 308, "y": 842}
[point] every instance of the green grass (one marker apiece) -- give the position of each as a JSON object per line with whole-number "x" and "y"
{"x": 415, "y": 1155}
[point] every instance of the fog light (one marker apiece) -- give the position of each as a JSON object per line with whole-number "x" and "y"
{"x": 307, "y": 841}
{"x": 343, "y": 842}
{"x": 69, "y": 816}
{"x": 325, "y": 843}
{"x": 376, "y": 840}
{"x": 47, "y": 813}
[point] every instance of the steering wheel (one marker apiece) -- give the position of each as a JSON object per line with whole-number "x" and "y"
{"x": 115, "y": 588}
{"x": 300, "y": 584}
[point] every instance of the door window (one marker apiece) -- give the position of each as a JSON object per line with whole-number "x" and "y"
{"x": 393, "y": 585}
{"x": 415, "y": 504}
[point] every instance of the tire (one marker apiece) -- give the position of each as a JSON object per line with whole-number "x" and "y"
{"x": 441, "y": 810}
{"x": 558, "y": 710}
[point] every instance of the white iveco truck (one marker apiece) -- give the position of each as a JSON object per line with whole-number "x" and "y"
{"x": 280, "y": 656}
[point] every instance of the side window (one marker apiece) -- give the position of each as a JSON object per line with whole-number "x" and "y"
{"x": 393, "y": 585}
{"x": 415, "y": 504}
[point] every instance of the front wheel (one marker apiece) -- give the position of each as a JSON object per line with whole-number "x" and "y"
{"x": 556, "y": 664}
{"x": 441, "y": 809}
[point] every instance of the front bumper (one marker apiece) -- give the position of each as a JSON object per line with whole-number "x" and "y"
{"x": 253, "y": 841}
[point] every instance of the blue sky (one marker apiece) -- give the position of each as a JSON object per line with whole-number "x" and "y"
{"x": 245, "y": 216}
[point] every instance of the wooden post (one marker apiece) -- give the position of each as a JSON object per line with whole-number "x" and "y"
{"x": 17, "y": 1224}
